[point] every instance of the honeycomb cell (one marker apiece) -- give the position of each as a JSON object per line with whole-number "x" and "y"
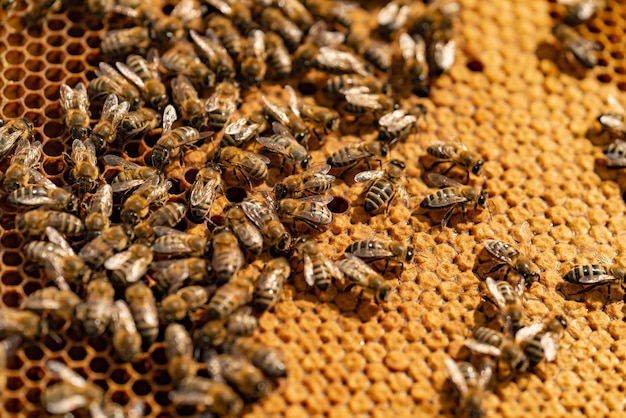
{"x": 75, "y": 66}
{"x": 35, "y": 65}
{"x": 14, "y": 74}
{"x": 34, "y": 101}
{"x": 11, "y": 278}
{"x": 33, "y": 352}
{"x": 15, "y": 57}
{"x": 99, "y": 365}
{"x": 76, "y": 31}
{"x": 16, "y": 39}
{"x": 14, "y": 405}
{"x": 34, "y": 82}
{"x": 13, "y": 91}
{"x": 35, "y": 374}
{"x": 35, "y": 49}
{"x": 34, "y": 396}
{"x": 11, "y": 258}
{"x": 141, "y": 388}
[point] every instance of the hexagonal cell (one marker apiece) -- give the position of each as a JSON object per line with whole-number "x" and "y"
{"x": 75, "y": 48}
{"x": 77, "y": 353}
{"x": 35, "y": 65}
{"x": 54, "y": 344}
{"x": 16, "y": 39}
{"x": 11, "y": 258}
{"x": 13, "y": 91}
{"x": 54, "y": 148}
{"x": 11, "y": 278}
{"x": 34, "y": 101}
{"x": 14, "y": 74}
{"x": 11, "y": 240}
{"x": 35, "y": 374}
{"x": 99, "y": 365}
{"x": 34, "y": 82}
{"x": 33, "y": 352}
{"x": 55, "y": 74}
{"x": 35, "y": 48}
{"x": 14, "y": 405}
{"x": 14, "y": 383}
{"x": 55, "y": 40}
{"x": 12, "y": 299}
{"x": 15, "y": 57}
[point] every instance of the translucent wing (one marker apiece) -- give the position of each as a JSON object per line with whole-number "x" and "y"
{"x": 442, "y": 181}
{"x": 309, "y": 276}
{"x": 456, "y": 376}
{"x": 275, "y": 111}
{"x": 117, "y": 161}
{"x": 497, "y": 295}
{"x": 497, "y": 250}
{"x": 528, "y": 333}
{"x": 66, "y": 374}
{"x": 363, "y": 99}
{"x": 550, "y": 344}
{"x": 364, "y": 176}
{"x": 294, "y": 103}
{"x": 110, "y": 102}
{"x": 322, "y": 199}
{"x": 203, "y": 191}
{"x": 169, "y": 117}
{"x": 166, "y": 230}
{"x": 333, "y": 268}
{"x": 342, "y": 61}
{"x": 130, "y": 74}
{"x": 482, "y": 348}
{"x": 117, "y": 260}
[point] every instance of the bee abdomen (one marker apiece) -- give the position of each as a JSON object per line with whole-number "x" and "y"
{"x": 379, "y": 194}
{"x": 579, "y": 272}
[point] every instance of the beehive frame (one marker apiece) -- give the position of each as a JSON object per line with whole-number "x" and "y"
{"x": 347, "y": 356}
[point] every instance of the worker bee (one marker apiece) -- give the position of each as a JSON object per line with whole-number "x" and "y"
{"x": 436, "y": 26}
{"x": 263, "y": 215}
{"x": 23, "y": 162}
{"x": 415, "y": 64}
{"x": 105, "y": 131}
{"x": 179, "y": 352}
{"x": 181, "y": 59}
{"x": 511, "y": 257}
{"x": 95, "y": 312}
{"x": 176, "y": 306}
{"x": 243, "y": 130}
{"x": 247, "y": 233}
{"x": 383, "y": 188}
{"x": 273, "y": 20}
{"x": 361, "y": 101}
{"x": 278, "y": 57}
{"x": 471, "y": 385}
{"x": 343, "y": 82}
{"x": 26, "y": 324}
{"x": 579, "y": 11}
{"x": 132, "y": 174}
{"x": 541, "y": 341}
{"x": 139, "y": 122}
{"x": 13, "y": 131}
{"x": 242, "y": 374}
{"x": 227, "y": 257}
{"x": 493, "y": 343}
{"x": 227, "y": 34}
{"x": 168, "y": 28}
{"x": 173, "y": 241}
{"x": 8, "y": 348}
{"x": 576, "y": 46}
{"x": 247, "y": 163}
{"x": 313, "y": 181}
{"x": 52, "y": 302}
{"x": 289, "y": 117}
{"x": 359, "y": 273}
{"x": 332, "y": 11}
{"x": 143, "y": 307}
{"x": 46, "y": 193}
{"x": 395, "y": 126}
{"x": 40, "y": 10}
{"x": 452, "y": 195}
{"x": 595, "y": 275}
{"x": 217, "y": 397}
{"x": 75, "y": 103}
{"x": 253, "y": 67}
{"x": 351, "y": 155}
{"x": 222, "y": 104}
{"x": 85, "y": 170}
{"x": 319, "y": 115}
{"x": 34, "y": 222}
{"x": 261, "y": 356}
{"x": 374, "y": 52}
{"x": 458, "y": 155}
{"x": 120, "y": 42}
{"x": 615, "y": 152}
{"x": 230, "y": 296}
{"x": 217, "y": 58}
{"x": 372, "y": 250}
{"x": 283, "y": 143}
{"x": 269, "y": 285}
{"x": 318, "y": 268}
{"x": 131, "y": 265}
{"x": 172, "y": 274}
{"x": 144, "y": 74}
{"x": 169, "y": 214}
{"x": 110, "y": 81}
{"x": 73, "y": 392}
{"x": 126, "y": 339}
{"x": 99, "y": 210}
{"x": 203, "y": 191}
{"x": 507, "y": 299}
{"x": 310, "y": 210}
{"x": 96, "y": 251}
{"x": 137, "y": 206}
{"x": 328, "y": 60}
{"x": 189, "y": 104}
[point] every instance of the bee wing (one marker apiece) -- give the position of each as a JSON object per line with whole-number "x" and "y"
{"x": 22, "y": 145}
{"x": 117, "y": 260}
{"x": 319, "y": 168}
{"x": 613, "y": 121}
{"x": 42, "y": 180}
{"x": 82, "y": 98}
{"x": 55, "y": 237}
{"x": 309, "y": 276}
{"x": 186, "y": 11}
{"x": 121, "y": 186}
{"x": 294, "y": 103}
{"x": 444, "y": 54}
{"x": 364, "y": 176}
{"x": 182, "y": 89}
{"x": 319, "y": 35}
{"x": 275, "y": 111}
{"x": 332, "y": 267}
{"x": 318, "y": 179}
{"x": 528, "y": 333}
{"x": 191, "y": 398}
{"x": 550, "y": 344}
{"x": 407, "y": 46}
{"x": 154, "y": 60}
{"x": 222, "y": 6}
{"x": 65, "y": 94}
{"x": 66, "y": 404}
{"x": 482, "y": 348}
{"x": 117, "y": 161}
{"x": 456, "y": 376}
{"x": 161, "y": 230}
{"x": 493, "y": 289}
{"x": 271, "y": 144}
{"x": 249, "y": 161}
{"x": 41, "y": 304}
{"x": 596, "y": 278}
{"x": 170, "y": 248}
{"x": 66, "y": 374}
{"x": 442, "y": 181}
{"x": 257, "y": 39}
{"x": 364, "y": 99}
{"x": 251, "y": 208}
{"x": 169, "y": 117}
{"x": 137, "y": 269}
{"x": 130, "y": 75}
{"x": 343, "y": 61}
{"x": 497, "y": 251}
{"x": 79, "y": 151}
{"x": 109, "y": 104}
{"x": 7, "y": 142}
{"x": 203, "y": 191}
{"x": 205, "y": 45}
{"x": 122, "y": 317}
{"x": 372, "y": 252}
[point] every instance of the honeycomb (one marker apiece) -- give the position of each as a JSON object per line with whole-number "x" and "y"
{"x": 508, "y": 99}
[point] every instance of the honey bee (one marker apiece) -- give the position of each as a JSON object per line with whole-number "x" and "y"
{"x": 436, "y": 26}
{"x": 261, "y": 356}
{"x": 173, "y": 241}
{"x": 508, "y": 300}
{"x": 34, "y": 222}
{"x": 595, "y": 275}
{"x": 372, "y": 250}
{"x": 579, "y": 11}
{"x": 75, "y": 104}
{"x": 415, "y": 64}
{"x": 126, "y": 339}
{"x": 361, "y": 101}
{"x": 342, "y": 82}
{"x": 189, "y": 104}
{"x": 175, "y": 307}
{"x": 212, "y": 334}
{"x": 310, "y": 210}
{"x": 8, "y": 347}
{"x": 53, "y": 302}
{"x": 217, "y": 58}
{"x": 96, "y": 251}
{"x": 23, "y": 162}
{"x": 143, "y": 307}
{"x": 241, "y": 324}
{"x": 247, "y": 163}
{"x": 137, "y": 206}
{"x": 132, "y": 174}
{"x": 171, "y": 274}
{"x": 73, "y": 392}
{"x": 227, "y": 34}
{"x": 144, "y": 74}
{"x": 541, "y": 341}
{"x": 471, "y": 385}
{"x": 85, "y": 170}
{"x": 283, "y": 143}
{"x": 95, "y": 312}
{"x": 26, "y": 324}
{"x": 222, "y": 104}
{"x": 615, "y": 153}
{"x": 99, "y": 210}
{"x": 319, "y": 115}
{"x": 510, "y": 257}
{"x": 329, "y": 60}
{"x": 278, "y": 57}
{"x": 217, "y": 397}
{"x": 359, "y": 273}
{"x": 13, "y": 131}
{"x": 181, "y": 59}
{"x": 40, "y": 10}
{"x": 105, "y": 131}
{"x": 493, "y": 343}
{"x": 395, "y": 126}
{"x": 269, "y": 285}
{"x": 172, "y": 27}
{"x": 237, "y": 133}
{"x": 179, "y": 352}
{"x": 452, "y": 195}
{"x": 456, "y": 153}
{"x": 374, "y": 52}
{"x": 247, "y": 233}
{"x": 318, "y": 268}
{"x": 310, "y": 182}
{"x": 131, "y": 265}
{"x": 203, "y": 191}
{"x": 110, "y": 81}
{"x": 384, "y": 186}
{"x": 140, "y": 121}
{"x": 120, "y": 42}
{"x": 227, "y": 257}
{"x": 289, "y": 117}
{"x": 169, "y": 214}
{"x": 46, "y": 193}
{"x": 243, "y": 375}
{"x": 332, "y": 11}
{"x": 576, "y": 46}
{"x": 263, "y": 215}
{"x": 351, "y": 155}
{"x": 230, "y": 296}
{"x": 253, "y": 66}
{"x": 273, "y": 20}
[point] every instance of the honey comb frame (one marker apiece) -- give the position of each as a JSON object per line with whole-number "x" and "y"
{"x": 349, "y": 356}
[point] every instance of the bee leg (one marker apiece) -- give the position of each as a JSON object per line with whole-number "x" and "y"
{"x": 436, "y": 164}
{"x": 498, "y": 267}
{"x": 447, "y": 217}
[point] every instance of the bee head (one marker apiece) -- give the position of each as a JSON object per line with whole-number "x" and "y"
{"x": 478, "y": 167}
{"x": 409, "y": 254}
{"x": 383, "y": 294}
{"x": 482, "y": 199}
{"x": 85, "y": 184}
{"x": 73, "y": 204}
{"x": 77, "y": 132}
{"x": 305, "y": 163}
{"x": 29, "y": 124}
{"x": 280, "y": 191}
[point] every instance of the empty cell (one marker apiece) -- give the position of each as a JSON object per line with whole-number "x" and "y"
{"x": 35, "y": 48}
{"x": 34, "y": 101}
{"x": 11, "y": 240}
{"x": 75, "y": 66}
{"x": 56, "y": 24}
{"x": 15, "y": 57}
{"x": 53, "y": 111}
{"x": 16, "y": 39}
{"x": 13, "y": 92}
{"x": 10, "y": 258}
{"x": 55, "y": 56}
{"x": 77, "y": 353}
{"x": 76, "y": 31}
{"x": 235, "y": 194}
{"x": 604, "y": 78}
{"x": 35, "y": 31}
{"x": 51, "y": 92}
{"x": 14, "y": 383}
{"x": 12, "y": 299}
{"x": 31, "y": 287}
{"x": 14, "y": 74}
{"x": 35, "y": 374}
{"x": 53, "y": 166}
{"x": 338, "y": 205}
{"x": 11, "y": 278}
{"x": 120, "y": 397}
{"x": 53, "y": 148}
{"x": 93, "y": 41}
{"x": 34, "y": 82}
{"x": 37, "y": 119}
{"x": 33, "y": 352}
{"x": 120, "y": 376}
{"x": 141, "y": 388}
{"x": 13, "y": 110}
{"x": 13, "y": 405}
{"x": 53, "y": 344}
{"x": 34, "y": 395}
{"x": 75, "y": 48}
{"x": 35, "y": 65}
{"x": 99, "y": 365}
{"x": 621, "y": 85}
{"x": 55, "y": 40}
{"x": 620, "y": 70}
{"x": 162, "y": 398}
{"x": 15, "y": 23}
